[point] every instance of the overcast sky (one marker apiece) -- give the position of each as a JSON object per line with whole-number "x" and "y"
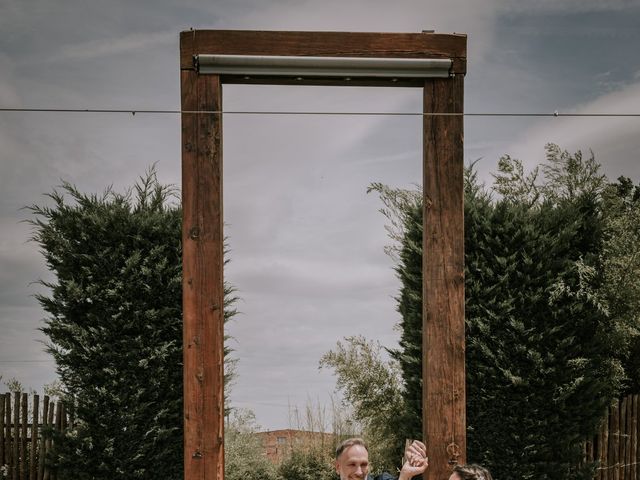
{"x": 306, "y": 240}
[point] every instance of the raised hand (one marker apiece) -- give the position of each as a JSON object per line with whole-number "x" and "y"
{"x": 416, "y": 461}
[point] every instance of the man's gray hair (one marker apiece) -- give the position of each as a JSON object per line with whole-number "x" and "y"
{"x": 350, "y": 442}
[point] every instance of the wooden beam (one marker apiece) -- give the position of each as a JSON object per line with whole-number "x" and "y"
{"x": 339, "y": 44}
{"x": 444, "y": 414}
{"x": 203, "y": 294}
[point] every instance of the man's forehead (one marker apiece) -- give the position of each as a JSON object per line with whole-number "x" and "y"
{"x": 355, "y": 451}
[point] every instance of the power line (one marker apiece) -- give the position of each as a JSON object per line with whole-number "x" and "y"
{"x": 26, "y": 361}
{"x": 334, "y": 113}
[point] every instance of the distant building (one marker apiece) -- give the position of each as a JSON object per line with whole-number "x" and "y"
{"x": 277, "y": 444}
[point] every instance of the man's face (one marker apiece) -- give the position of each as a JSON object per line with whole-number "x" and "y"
{"x": 353, "y": 463}
{"x": 454, "y": 476}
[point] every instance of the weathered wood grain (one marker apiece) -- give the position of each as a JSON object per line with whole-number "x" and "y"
{"x": 44, "y": 442}
{"x": 634, "y": 438}
{"x": 202, "y": 240}
{"x": 340, "y": 44}
{"x": 614, "y": 442}
{"x": 15, "y": 473}
{"x": 24, "y": 410}
{"x": 2, "y": 430}
{"x": 444, "y": 407}
{"x": 33, "y": 457}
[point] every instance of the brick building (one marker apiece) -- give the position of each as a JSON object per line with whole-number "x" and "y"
{"x": 278, "y": 443}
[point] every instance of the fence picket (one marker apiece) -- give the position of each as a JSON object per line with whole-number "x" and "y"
{"x": 16, "y": 436}
{"x": 2, "y": 402}
{"x": 622, "y": 419}
{"x": 613, "y": 426}
{"x": 24, "y": 416}
{"x": 627, "y": 439}
{"x": 602, "y": 451}
{"x": 34, "y": 438}
{"x": 43, "y": 447}
{"x": 60, "y": 421}
{"x": 635, "y": 424}
{"x": 47, "y": 443}
{"x": 8, "y": 446}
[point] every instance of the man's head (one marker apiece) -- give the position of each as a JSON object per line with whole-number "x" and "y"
{"x": 352, "y": 459}
{"x": 470, "y": 472}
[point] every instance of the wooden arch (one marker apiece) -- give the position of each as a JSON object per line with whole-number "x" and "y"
{"x": 202, "y": 239}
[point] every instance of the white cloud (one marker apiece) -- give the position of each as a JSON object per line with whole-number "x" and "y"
{"x": 443, "y": 16}
{"x": 93, "y": 49}
{"x": 614, "y": 140}
{"x": 567, "y": 6}
{"x": 9, "y": 96}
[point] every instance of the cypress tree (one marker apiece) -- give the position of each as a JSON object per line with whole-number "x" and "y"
{"x": 540, "y": 370}
{"x": 115, "y": 328}
{"x": 409, "y": 305}
{"x": 541, "y": 354}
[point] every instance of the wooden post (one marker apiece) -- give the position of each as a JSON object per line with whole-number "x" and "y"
{"x": 634, "y": 437}
{"x": 24, "y": 416}
{"x": 8, "y": 446}
{"x": 444, "y": 412}
{"x": 43, "y": 443}
{"x": 16, "y": 436}
{"x": 601, "y": 457}
{"x": 622, "y": 446}
{"x": 2, "y": 431}
{"x": 33, "y": 460}
{"x": 627, "y": 438}
{"x": 202, "y": 243}
{"x": 444, "y": 397}
{"x": 614, "y": 437}
{"x": 49, "y": 442}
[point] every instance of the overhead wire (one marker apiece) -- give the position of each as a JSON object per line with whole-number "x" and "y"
{"x": 26, "y": 361}
{"x": 297, "y": 112}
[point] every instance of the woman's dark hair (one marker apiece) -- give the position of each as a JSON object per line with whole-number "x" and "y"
{"x": 472, "y": 472}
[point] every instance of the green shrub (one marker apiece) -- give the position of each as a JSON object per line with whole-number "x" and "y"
{"x": 115, "y": 328}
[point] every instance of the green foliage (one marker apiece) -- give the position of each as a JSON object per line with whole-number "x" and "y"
{"x": 314, "y": 418}
{"x": 13, "y": 385}
{"x": 620, "y": 260}
{"x": 115, "y": 328}
{"x": 541, "y": 365}
{"x": 566, "y": 177}
{"x": 307, "y": 464}
{"x": 551, "y": 313}
{"x": 409, "y": 353}
{"x": 309, "y": 458}
{"x": 244, "y": 458}
{"x": 569, "y": 177}
{"x": 514, "y": 184}
{"x": 371, "y": 387}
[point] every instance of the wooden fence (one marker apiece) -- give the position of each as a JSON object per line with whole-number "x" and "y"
{"x": 23, "y": 447}
{"x": 616, "y": 446}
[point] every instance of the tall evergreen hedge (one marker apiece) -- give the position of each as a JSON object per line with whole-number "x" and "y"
{"x": 541, "y": 360}
{"x": 540, "y": 369}
{"x": 115, "y": 328}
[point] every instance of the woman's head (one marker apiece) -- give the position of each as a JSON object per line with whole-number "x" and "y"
{"x": 470, "y": 472}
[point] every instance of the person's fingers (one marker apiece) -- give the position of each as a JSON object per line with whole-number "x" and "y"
{"x": 416, "y": 460}
{"x": 420, "y": 446}
{"x": 417, "y": 452}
